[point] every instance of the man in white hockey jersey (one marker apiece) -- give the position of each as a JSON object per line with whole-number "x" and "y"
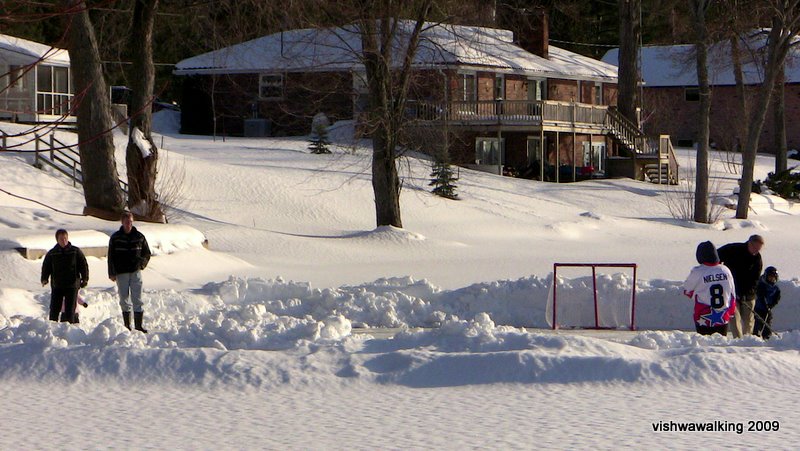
{"x": 711, "y": 286}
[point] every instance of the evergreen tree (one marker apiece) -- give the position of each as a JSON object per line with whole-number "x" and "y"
{"x": 319, "y": 142}
{"x": 443, "y": 181}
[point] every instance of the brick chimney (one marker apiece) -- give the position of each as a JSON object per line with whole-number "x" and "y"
{"x": 530, "y": 27}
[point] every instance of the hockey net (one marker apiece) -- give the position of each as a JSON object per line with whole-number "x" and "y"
{"x": 592, "y": 296}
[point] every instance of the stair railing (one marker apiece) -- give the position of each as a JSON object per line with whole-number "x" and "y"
{"x": 64, "y": 158}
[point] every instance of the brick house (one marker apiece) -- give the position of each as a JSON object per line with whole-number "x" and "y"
{"x": 671, "y": 94}
{"x": 36, "y": 83}
{"x": 484, "y": 98}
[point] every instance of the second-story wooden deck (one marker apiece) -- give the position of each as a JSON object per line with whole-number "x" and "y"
{"x": 512, "y": 115}
{"x": 554, "y": 116}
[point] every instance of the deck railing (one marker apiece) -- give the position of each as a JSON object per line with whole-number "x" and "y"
{"x": 507, "y": 112}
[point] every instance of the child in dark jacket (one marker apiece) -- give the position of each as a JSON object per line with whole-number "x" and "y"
{"x": 767, "y": 297}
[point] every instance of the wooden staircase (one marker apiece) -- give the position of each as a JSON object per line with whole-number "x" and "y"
{"x": 650, "y": 159}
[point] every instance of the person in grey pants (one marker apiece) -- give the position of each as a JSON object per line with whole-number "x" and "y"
{"x": 128, "y": 255}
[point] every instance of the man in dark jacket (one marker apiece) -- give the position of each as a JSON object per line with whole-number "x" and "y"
{"x": 65, "y": 267}
{"x": 128, "y": 255}
{"x": 744, "y": 261}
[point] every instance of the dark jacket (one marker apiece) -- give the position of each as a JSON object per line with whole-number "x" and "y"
{"x": 66, "y": 266}
{"x": 127, "y": 252}
{"x": 746, "y": 267}
{"x": 767, "y": 295}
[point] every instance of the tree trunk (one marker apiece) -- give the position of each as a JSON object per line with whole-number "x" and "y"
{"x": 776, "y": 54}
{"x": 741, "y": 128}
{"x": 385, "y": 180}
{"x": 96, "y": 144}
{"x": 699, "y": 8}
{"x": 779, "y": 110}
{"x": 142, "y": 169}
{"x": 629, "y": 37}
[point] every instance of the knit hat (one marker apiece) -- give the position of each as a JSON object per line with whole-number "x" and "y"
{"x": 707, "y": 253}
{"x": 771, "y": 271}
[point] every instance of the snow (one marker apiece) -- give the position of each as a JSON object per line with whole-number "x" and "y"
{"x": 675, "y": 65}
{"x": 143, "y": 144}
{"x": 14, "y": 50}
{"x": 441, "y": 45}
{"x": 302, "y": 326}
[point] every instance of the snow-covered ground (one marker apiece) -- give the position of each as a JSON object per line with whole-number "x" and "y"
{"x": 259, "y": 340}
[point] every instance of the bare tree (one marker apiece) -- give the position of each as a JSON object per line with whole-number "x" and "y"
{"x": 630, "y": 33}
{"x": 735, "y": 24}
{"x": 379, "y": 27}
{"x": 100, "y": 178}
{"x": 779, "y": 117}
{"x": 142, "y": 153}
{"x": 785, "y": 27}
{"x": 699, "y": 9}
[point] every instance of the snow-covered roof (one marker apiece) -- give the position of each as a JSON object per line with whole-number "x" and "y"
{"x": 20, "y": 51}
{"x": 441, "y": 45}
{"x": 674, "y": 65}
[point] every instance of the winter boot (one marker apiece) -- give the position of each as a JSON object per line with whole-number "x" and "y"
{"x": 126, "y": 318}
{"x": 137, "y": 321}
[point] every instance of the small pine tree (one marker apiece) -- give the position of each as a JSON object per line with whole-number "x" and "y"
{"x": 443, "y": 180}
{"x": 318, "y": 143}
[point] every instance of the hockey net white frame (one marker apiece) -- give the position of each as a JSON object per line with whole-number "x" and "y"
{"x": 594, "y": 267}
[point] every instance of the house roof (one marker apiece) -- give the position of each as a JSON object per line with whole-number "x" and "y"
{"x": 20, "y": 51}
{"x": 441, "y": 45}
{"x": 675, "y": 65}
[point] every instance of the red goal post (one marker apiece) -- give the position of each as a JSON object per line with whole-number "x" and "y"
{"x": 594, "y": 267}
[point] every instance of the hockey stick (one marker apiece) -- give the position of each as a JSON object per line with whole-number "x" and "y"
{"x": 764, "y": 323}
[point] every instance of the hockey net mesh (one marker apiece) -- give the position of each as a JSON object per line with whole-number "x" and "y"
{"x": 581, "y": 298}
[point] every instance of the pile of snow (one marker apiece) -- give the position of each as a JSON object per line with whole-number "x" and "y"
{"x": 205, "y": 348}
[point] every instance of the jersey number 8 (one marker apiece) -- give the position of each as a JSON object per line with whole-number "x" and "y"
{"x": 717, "y": 298}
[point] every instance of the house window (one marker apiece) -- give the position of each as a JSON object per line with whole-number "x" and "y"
{"x": 61, "y": 80}
{"x": 44, "y": 78}
{"x": 270, "y": 86}
{"x": 536, "y": 89}
{"x": 466, "y": 88}
{"x": 692, "y": 94}
{"x": 53, "y": 90}
{"x": 16, "y": 77}
{"x": 598, "y": 93}
{"x": 594, "y": 156}
{"x": 360, "y": 93}
{"x": 489, "y": 151}
{"x": 499, "y": 87}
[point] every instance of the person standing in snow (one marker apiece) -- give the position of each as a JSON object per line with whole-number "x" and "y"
{"x": 768, "y": 294}
{"x": 66, "y": 269}
{"x": 711, "y": 285}
{"x": 128, "y": 255}
{"x": 744, "y": 261}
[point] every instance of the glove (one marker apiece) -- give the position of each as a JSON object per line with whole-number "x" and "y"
{"x": 44, "y": 282}
{"x": 84, "y": 303}
{"x": 84, "y": 283}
